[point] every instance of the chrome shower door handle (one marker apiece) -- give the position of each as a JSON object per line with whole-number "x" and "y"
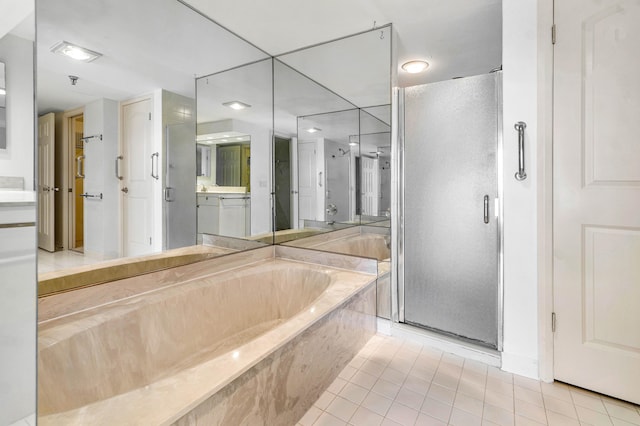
{"x": 118, "y": 158}
{"x": 520, "y": 126}
{"x": 486, "y": 209}
{"x": 320, "y": 179}
{"x": 80, "y": 166}
{"x": 154, "y": 166}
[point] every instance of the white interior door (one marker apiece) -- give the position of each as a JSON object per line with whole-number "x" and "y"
{"x": 307, "y": 184}
{"x": 46, "y": 183}
{"x": 597, "y": 196}
{"x": 370, "y": 186}
{"x": 137, "y": 191}
{"x": 294, "y": 183}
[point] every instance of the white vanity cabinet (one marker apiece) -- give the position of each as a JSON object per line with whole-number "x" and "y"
{"x": 208, "y": 214}
{"x": 226, "y": 214}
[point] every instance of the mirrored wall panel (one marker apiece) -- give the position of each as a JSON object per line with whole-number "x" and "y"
{"x": 3, "y": 108}
{"x": 233, "y": 155}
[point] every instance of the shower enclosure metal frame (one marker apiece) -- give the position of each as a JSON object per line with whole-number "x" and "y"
{"x": 398, "y": 205}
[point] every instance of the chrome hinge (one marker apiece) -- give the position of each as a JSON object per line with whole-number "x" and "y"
{"x": 553, "y": 34}
{"x": 149, "y": 116}
{"x": 553, "y": 322}
{"x": 149, "y": 240}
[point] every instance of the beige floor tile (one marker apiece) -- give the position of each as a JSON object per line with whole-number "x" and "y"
{"x": 441, "y": 394}
{"x": 533, "y": 412}
{"x": 393, "y": 376}
{"x": 310, "y": 416}
{"x": 560, "y": 406}
{"x": 387, "y": 389}
{"x": 496, "y": 373}
{"x": 436, "y": 409}
{"x": 409, "y": 398}
{"x": 462, "y": 418}
{"x": 353, "y": 393}
{"x": 425, "y": 420}
{"x": 347, "y": 372}
{"x": 594, "y": 418}
{"x": 468, "y": 404}
{"x": 475, "y": 367}
{"x": 623, "y": 412}
{"x": 499, "y": 386}
{"x": 377, "y": 403}
{"x": 373, "y": 367}
{"x": 357, "y": 361}
{"x": 498, "y": 415}
{"x": 556, "y": 390}
{"x": 584, "y": 399}
{"x": 337, "y": 385}
{"x": 446, "y": 380}
{"x": 365, "y": 417}
{"x": 389, "y": 422}
{"x": 415, "y": 384}
{"x": 402, "y": 414}
{"x": 402, "y": 365}
{"x": 619, "y": 422}
{"x": 528, "y": 395}
{"x": 327, "y": 419}
{"x": 325, "y": 399}
{"x": 525, "y": 421}
{"x": 556, "y": 419}
{"x": 341, "y": 408}
{"x": 499, "y": 400}
{"x": 363, "y": 379}
{"x": 528, "y": 383}
{"x": 472, "y": 389}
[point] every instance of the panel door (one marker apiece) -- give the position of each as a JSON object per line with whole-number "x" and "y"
{"x": 597, "y": 196}
{"x": 451, "y": 279}
{"x": 138, "y": 197}
{"x": 46, "y": 183}
{"x": 307, "y": 185}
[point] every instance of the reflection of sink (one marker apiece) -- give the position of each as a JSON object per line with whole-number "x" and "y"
{"x": 223, "y": 189}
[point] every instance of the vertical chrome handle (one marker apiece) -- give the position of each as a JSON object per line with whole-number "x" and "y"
{"x": 154, "y": 165}
{"x": 320, "y": 179}
{"x": 80, "y": 166}
{"x": 520, "y": 126}
{"x": 486, "y": 209}
{"x": 118, "y": 158}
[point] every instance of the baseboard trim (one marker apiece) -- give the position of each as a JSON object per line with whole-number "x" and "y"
{"x": 520, "y": 365}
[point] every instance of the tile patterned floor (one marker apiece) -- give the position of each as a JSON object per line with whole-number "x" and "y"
{"x": 48, "y": 262}
{"x": 395, "y": 382}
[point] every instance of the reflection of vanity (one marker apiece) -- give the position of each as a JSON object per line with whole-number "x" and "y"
{"x": 224, "y": 210}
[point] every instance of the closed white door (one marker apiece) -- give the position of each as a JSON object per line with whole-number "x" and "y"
{"x": 370, "y": 186}
{"x": 46, "y": 184}
{"x": 139, "y": 164}
{"x": 597, "y": 196}
{"x": 307, "y": 184}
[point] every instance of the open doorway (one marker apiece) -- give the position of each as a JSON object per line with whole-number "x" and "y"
{"x": 282, "y": 181}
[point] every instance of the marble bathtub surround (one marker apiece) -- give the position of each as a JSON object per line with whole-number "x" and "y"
{"x": 366, "y": 241}
{"x": 184, "y": 342}
{"x": 111, "y": 270}
{"x": 236, "y": 244}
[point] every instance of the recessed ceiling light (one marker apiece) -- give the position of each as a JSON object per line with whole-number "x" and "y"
{"x": 75, "y": 52}
{"x": 413, "y": 67}
{"x": 224, "y": 140}
{"x": 313, "y": 130}
{"x": 240, "y": 138}
{"x": 237, "y": 105}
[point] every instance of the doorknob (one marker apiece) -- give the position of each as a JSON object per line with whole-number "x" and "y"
{"x": 125, "y": 190}
{"x": 56, "y": 189}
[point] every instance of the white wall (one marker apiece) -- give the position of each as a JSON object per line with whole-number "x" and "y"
{"x": 18, "y": 158}
{"x": 101, "y": 217}
{"x": 526, "y": 33}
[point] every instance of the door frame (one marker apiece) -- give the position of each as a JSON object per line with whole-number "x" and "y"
{"x": 398, "y": 208}
{"x": 68, "y": 181}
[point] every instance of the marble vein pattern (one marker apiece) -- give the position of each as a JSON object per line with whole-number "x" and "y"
{"x": 184, "y": 343}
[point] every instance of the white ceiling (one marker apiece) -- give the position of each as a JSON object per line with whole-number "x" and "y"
{"x": 457, "y": 37}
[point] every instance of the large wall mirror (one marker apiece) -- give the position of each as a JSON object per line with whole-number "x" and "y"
{"x": 118, "y": 96}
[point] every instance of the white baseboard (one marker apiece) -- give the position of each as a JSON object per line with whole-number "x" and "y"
{"x": 384, "y": 326}
{"x": 520, "y": 365}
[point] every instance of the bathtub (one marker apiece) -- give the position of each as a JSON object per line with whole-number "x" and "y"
{"x": 251, "y": 338}
{"x": 364, "y": 241}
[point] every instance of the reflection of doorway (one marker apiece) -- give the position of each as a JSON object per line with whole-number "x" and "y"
{"x": 76, "y": 201}
{"x": 282, "y": 180}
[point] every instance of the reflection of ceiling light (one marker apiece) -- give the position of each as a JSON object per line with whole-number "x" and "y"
{"x": 224, "y": 140}
{"x": 313, "y": 130}
{"x": 225, "y": 136}
{"x": 353, "y": 140}
{"x": 75, "y": 52}
{"x": 239, "y": 139}
{"x": 236, "y": 105}
{"x": 413, "y": 67}
{"x": 2, "y": 91}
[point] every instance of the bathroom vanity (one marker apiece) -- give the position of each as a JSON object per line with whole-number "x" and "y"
{"x": 224, "y": 211}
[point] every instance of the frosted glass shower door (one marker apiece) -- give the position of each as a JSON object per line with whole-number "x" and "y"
{"x": 451, "y": 262}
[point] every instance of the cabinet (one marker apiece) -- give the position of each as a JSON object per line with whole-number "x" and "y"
{"x": 208, "y": 214}
{"x": 226, "y": 214}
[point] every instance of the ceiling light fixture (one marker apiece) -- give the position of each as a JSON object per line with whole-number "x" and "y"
{"x": 413, "y": 67}
{"x": 237, "y": 105}
{"x": 313, "y": 130}
{"x": 75, "y": 52}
